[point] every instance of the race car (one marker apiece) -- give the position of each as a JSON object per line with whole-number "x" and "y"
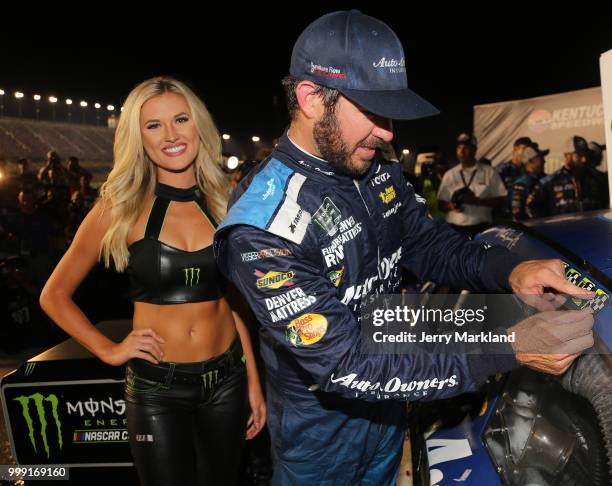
{"x": 527, "y": 427}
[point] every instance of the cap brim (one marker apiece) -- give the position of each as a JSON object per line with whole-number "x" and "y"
{"x": 402, "y": 104}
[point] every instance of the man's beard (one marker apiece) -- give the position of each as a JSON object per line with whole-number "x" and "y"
{"x": 327, "y": 136}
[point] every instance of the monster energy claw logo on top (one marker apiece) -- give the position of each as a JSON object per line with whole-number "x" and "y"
{"x": 39, "y": 403}
{"x": 192, "y": 276}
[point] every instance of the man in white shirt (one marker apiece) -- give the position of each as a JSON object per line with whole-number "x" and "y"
{"x": 470, "y": 191}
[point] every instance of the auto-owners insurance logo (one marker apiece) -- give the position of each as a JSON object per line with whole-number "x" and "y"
{"x": 393, "y": 66}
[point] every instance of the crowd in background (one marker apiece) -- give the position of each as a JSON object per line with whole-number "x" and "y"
{"x": 472, "y": 195}
{"x": 39, "y": 214}
{"x": 41, "y": 211}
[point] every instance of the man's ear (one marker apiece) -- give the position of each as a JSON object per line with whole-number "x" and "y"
{"x": 310, "y": 102}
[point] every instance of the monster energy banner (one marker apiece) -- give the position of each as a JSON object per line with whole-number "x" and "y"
{"x": 70, "y": 423}
{"x": 548, "y": 120}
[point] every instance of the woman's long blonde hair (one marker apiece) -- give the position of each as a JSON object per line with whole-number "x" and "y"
{"x": 132, "y": 179}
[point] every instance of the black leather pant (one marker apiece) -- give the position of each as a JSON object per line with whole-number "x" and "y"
{"x": 185, "y": 433}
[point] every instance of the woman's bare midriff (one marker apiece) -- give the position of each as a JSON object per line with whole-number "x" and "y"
{"x": 195, "y": 331}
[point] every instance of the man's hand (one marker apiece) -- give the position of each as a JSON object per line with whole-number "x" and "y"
{"x": 447, "y": 206}
{"x": 531, "y": 279}
{"x": 551, "y": 341}
{"x": 553, "y": 364}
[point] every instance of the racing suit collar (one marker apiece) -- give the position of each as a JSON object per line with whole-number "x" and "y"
{"x": 313, "y": 166}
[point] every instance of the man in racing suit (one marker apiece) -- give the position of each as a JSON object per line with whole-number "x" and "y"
{"x": 575, "y": 187}
{"x": 310, "y": 236}
{"x": 511, "y": 170}
{"x": 520, "y": 193}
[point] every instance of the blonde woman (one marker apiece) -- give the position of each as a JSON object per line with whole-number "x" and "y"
{"x": 186, "y": 384}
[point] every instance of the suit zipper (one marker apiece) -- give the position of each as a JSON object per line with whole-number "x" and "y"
{"x": 370, "y": 215}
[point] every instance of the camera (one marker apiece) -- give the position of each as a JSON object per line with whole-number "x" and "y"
{"x": 459, "y": 197}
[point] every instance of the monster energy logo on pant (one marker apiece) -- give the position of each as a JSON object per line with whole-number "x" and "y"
{"x": 209, "y": 377}
{"x": 39, "y": 403}
{"x": 191, "y": 274}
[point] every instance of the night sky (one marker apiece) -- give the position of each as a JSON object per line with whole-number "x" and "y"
{"x": 235, "y": 57}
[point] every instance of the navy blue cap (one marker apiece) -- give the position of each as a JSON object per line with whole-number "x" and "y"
{"x": 361, "y": 57}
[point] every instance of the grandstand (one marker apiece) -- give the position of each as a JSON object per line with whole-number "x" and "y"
{"x": 32, "y": 139}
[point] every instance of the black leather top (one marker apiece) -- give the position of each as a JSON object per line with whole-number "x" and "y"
{"x": 162, "y": 274}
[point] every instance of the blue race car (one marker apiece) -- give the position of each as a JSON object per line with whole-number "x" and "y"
{"x": 528, "y": 428}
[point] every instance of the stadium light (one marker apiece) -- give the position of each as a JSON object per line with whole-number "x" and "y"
{"x": 83, "y": 105}
{"x": 110, "y": 108}
{"x": 405, "y": 151}
{"x": 255, "y": 139}
{"x": 122, "y": 109}
{"x": 232, "y": 162}
{"x": 97, "y": 106}
{"x": 37, "y": 99}
{"x": 69, "y": 103}
{"x": 19, "y": 96}
{"x": 226, "y": 136}
{"x": 1, "y": 92}
{"x": 53, "y": 101}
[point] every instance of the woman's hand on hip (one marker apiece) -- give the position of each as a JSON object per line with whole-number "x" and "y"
{"x": 142, "y": 343}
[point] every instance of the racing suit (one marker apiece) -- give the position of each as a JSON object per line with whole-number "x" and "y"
{"x": 562, "y": 192}
{"x": 521, "y": 198}
{"x": 305, "y": 245}
{"x": 509, "y": 172}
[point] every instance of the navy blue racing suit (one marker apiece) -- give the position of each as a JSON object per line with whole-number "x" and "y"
{"x": 306, "y": 247}
{"x": 562, "y": 192}
{"x": 509, "y": 173}
{"x": 521, "y": 198}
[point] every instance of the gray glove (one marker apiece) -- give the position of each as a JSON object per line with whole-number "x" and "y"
{"x": 554, "y": 332}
